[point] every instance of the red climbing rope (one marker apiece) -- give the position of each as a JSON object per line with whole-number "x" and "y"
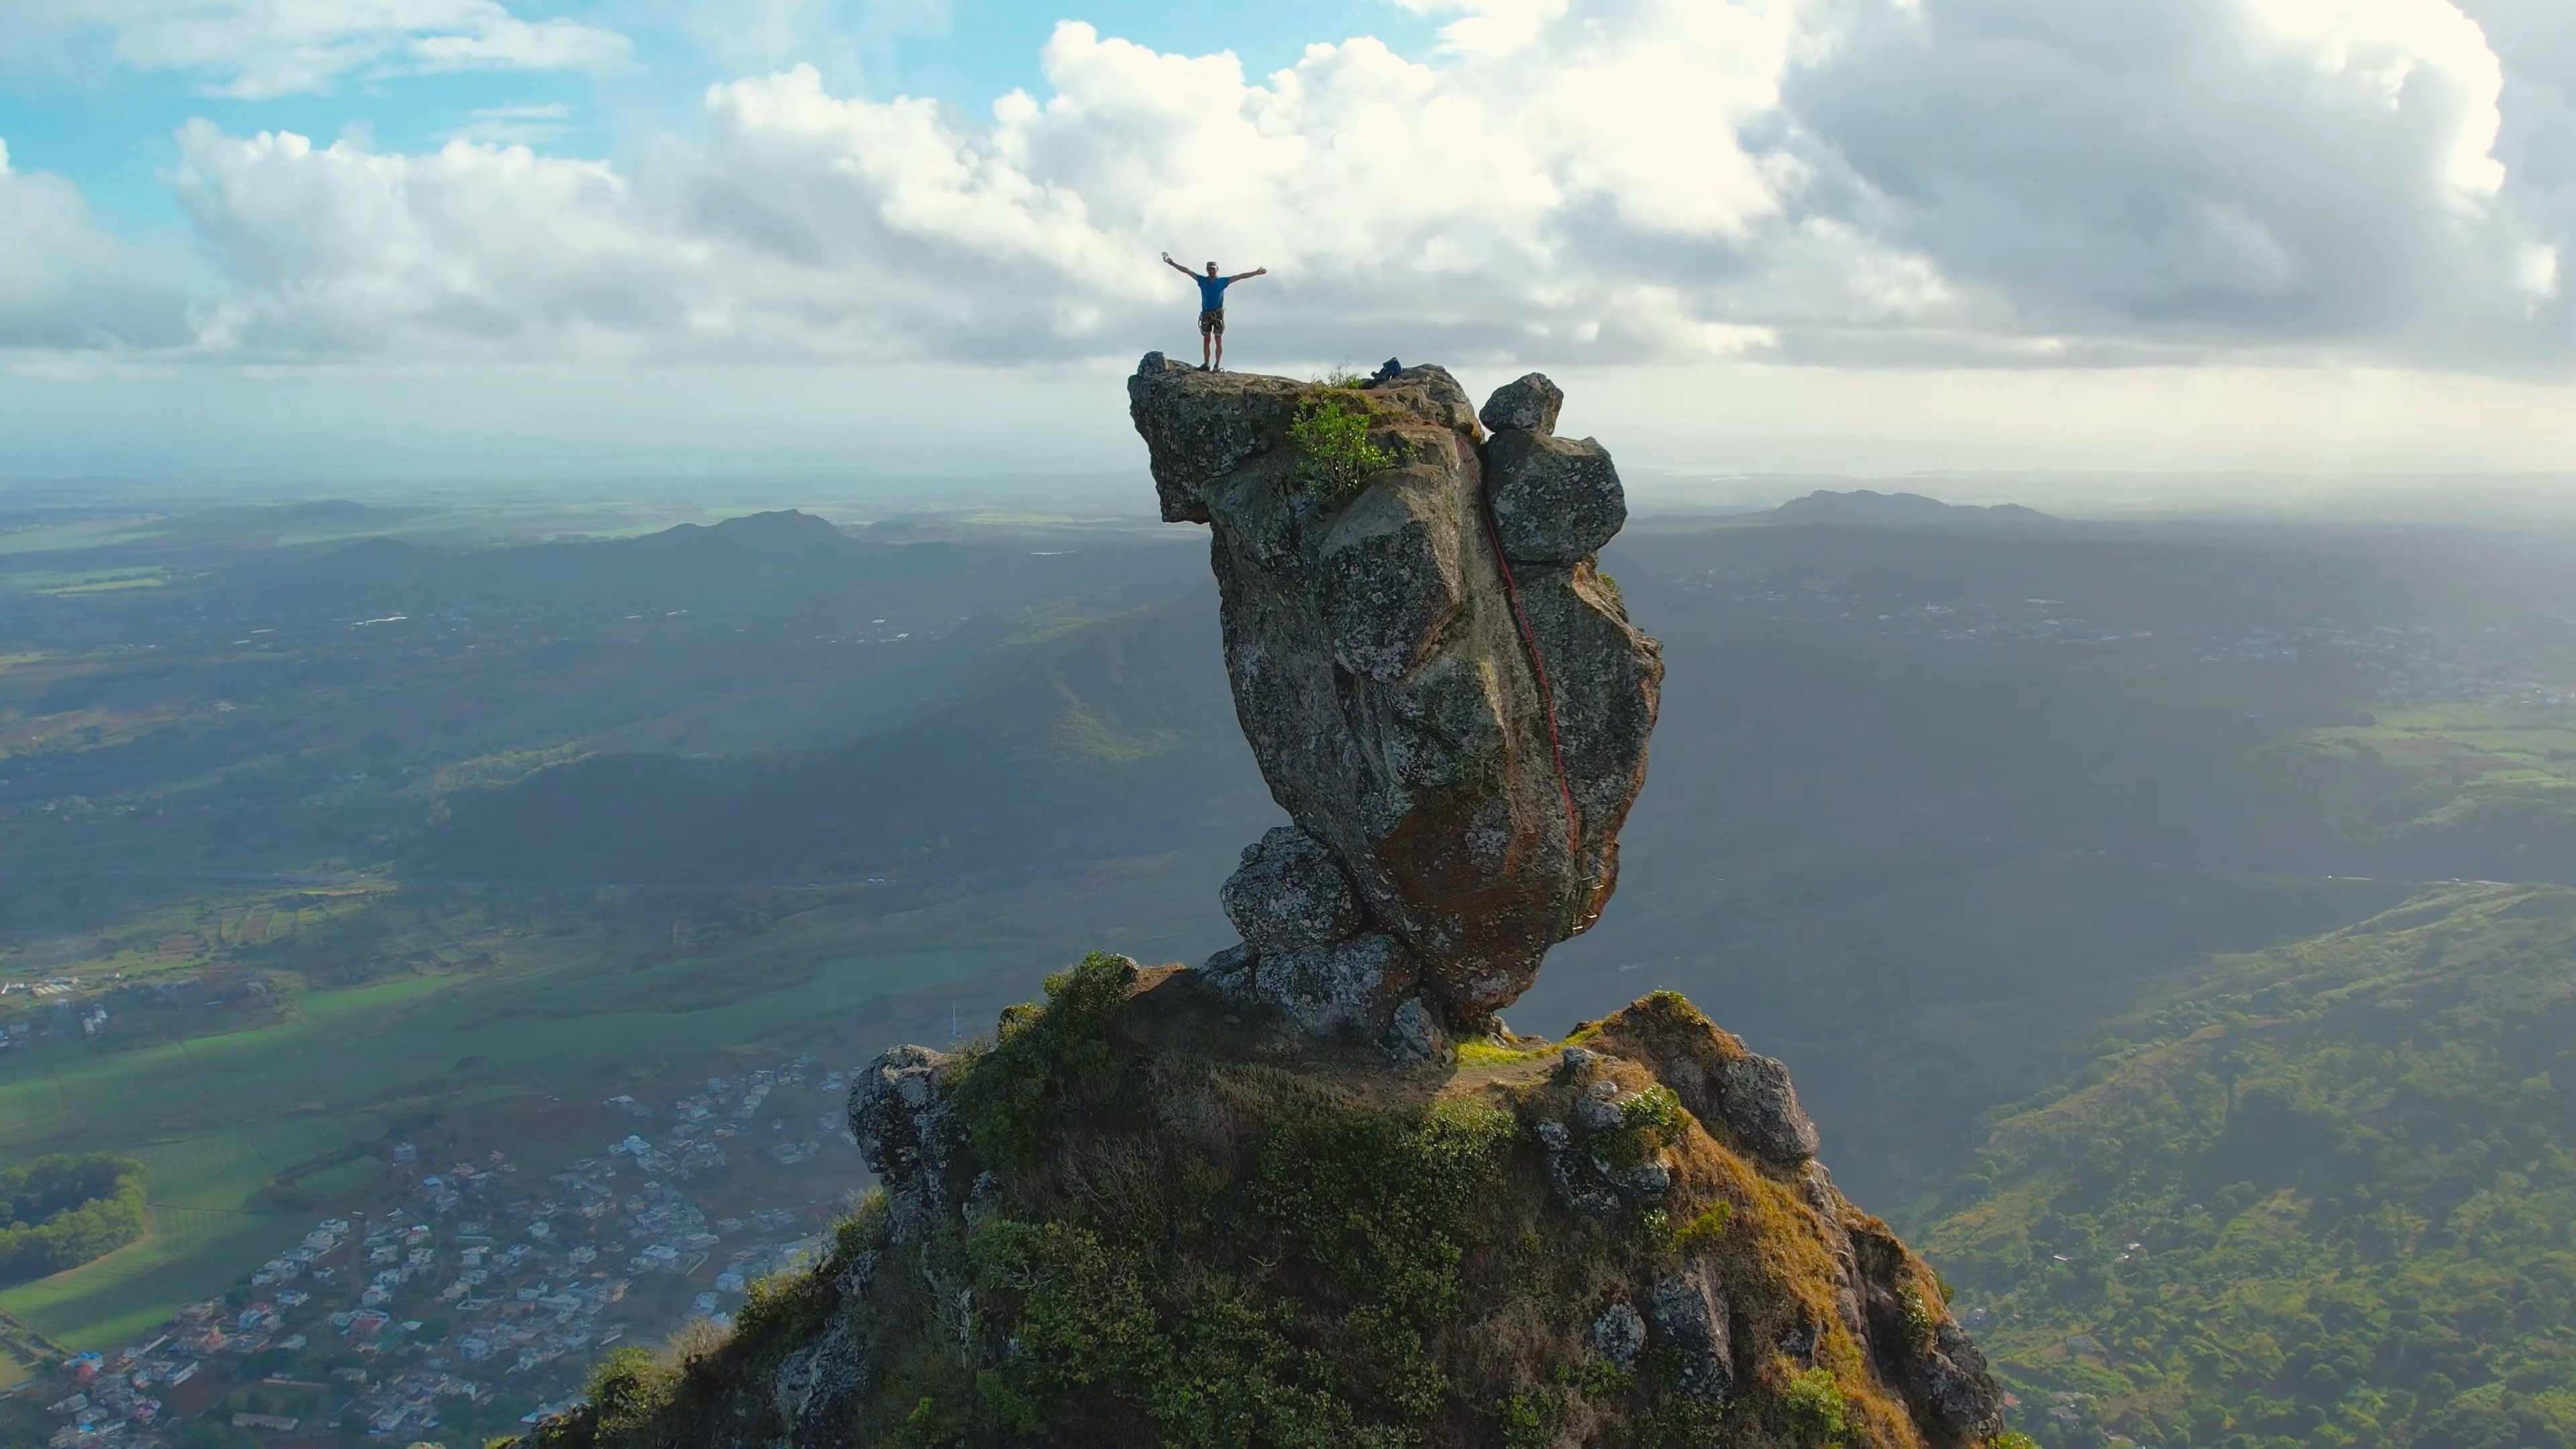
{"x": 1538, "y": 668}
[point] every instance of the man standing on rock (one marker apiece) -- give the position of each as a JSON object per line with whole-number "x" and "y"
{"x": 1212, "y": 309}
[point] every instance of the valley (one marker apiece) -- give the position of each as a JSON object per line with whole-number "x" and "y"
{"x": 615, "y": 817}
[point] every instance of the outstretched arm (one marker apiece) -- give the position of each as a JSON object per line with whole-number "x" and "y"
{"x": 1176, "y": 266}
{"x": 1255, "y": 272}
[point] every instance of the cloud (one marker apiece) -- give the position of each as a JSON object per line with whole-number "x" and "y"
{"x": 1458, "y": 208}
{"x": 527, "y": 125}
{"x": 472, "y": 250}
{"x": 1489, "y": 26}
{"x": 67, "y": 286}
{"x": 2195, "y": 172}
{"x": 844, "y": 39}
{"x": 254, "y": 49}
{"x": 1902, "y": 183}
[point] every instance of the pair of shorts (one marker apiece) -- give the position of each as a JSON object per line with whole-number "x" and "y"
{"x": 1212, "y": 322}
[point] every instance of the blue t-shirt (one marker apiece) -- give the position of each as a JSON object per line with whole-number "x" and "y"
{"x": 1212, "y": 292}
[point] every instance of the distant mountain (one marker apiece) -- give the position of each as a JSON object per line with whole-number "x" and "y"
{"x": 1900, "y": 510}
{"x": 763, "y": 563}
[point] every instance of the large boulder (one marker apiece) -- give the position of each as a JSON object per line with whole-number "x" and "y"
{"x": 1689, "y": 1313}
{"x": 1289, "y": 894}
{"x": 1757, "y": 1103}
{"x": 1466, "y": 751}
{"x": 1556, "y": 500}
{"x": 1527, "y": 404}
{"x": 907, "y": 1128}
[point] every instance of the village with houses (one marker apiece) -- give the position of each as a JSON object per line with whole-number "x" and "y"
{"x": 473, "y": 1295}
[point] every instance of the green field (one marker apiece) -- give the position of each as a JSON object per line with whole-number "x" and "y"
{"x": 78, "y": 534}
{"x": 2488, "y": 743}
{"x": 85, "y": 581}
{"x": 204, "y": 1233}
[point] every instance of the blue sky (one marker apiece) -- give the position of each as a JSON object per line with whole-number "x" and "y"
{"x": 2204, "y": 233}
{"x": 77, "y": 111}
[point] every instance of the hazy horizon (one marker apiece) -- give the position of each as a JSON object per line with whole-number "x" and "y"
{"x": 2252, "y": 237}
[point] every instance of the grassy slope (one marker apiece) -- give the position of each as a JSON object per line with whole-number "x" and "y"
{"x": 2348, "y": 1165}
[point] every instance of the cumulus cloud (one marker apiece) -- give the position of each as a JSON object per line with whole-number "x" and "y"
{"x": 64, "y": 284}
{"x": 260, "y": 48}
{"x": 2196, "y": 171}
{"x": 521, "y": 125}
{"x": 1489, "y": 26}
{"x": 472, "y": 249}
{"x": 1588, "y": 199}
{"x": 1893, "y": 182}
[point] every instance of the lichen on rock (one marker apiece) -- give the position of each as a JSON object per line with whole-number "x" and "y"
{"x": 1289, "y": 894}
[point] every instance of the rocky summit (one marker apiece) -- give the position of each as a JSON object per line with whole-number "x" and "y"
{"x": 1442, "y": 689}
{"x": 1142, "y": 1216}
{"x": 1311, "y": 1194}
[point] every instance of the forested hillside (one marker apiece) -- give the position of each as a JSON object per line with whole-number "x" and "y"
{"x": 2322, "y": 1195}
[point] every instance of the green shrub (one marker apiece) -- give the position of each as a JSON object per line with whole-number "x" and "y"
{"x": 1317, "y": 1289}
{"x": 61, "y": 1211}
{"x": 1702, "y": 1234}
{"x": 1334, "y": 439}
{"x": 865, "y": 1227}
{"x": 1044, "y": 1056}
{"x": 1594, "y": 1378}
{"x": 627, "y": 1391}
{"x": 1649, "y": 1122}
{"x": 1530, "y": 1421}
{"x": 1817, "y": 1413}
{"x": 1920, "y": 1320}
{"x": 780, "y": 1307}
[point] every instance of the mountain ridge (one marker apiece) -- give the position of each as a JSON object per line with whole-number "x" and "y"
{"x": 1868, "y": 507}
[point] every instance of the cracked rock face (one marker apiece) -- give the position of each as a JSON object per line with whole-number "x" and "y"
{"x": 908, "y": 1132}
{"x": 1556, "y": 501}
{"x": 1690, "y": 1315}
{"x": 1465, "y": 750}
{"x": 1757, "y": 1101}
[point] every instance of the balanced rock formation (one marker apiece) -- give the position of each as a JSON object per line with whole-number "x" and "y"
{"x": 1142, "y": 1214}
{"x": 1441, "y": 689}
